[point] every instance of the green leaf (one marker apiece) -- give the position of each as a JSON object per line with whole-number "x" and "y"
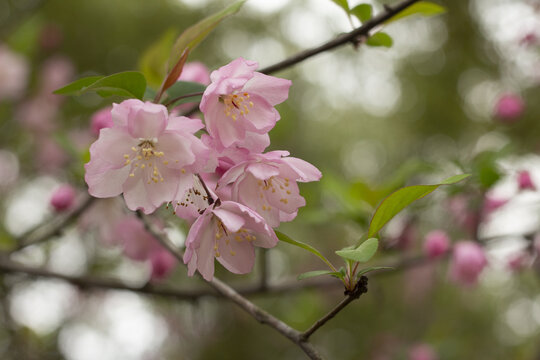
{"x": 363, "y": 12}
{"x": 281, "y": 236}
{"x": 363, "y": 253}
{"x": 342, "y": 4}
{"x": 402, "y": 198}
{"x": 181, "y": 88}
{"x": 130, "y": 84}
{"x": 373, "y": 268}
{"x": 153, "y": 62}
{"x": 193, "y": 35}
{"x": 380, "y": 39}
{"x": 315, "y": 273}
{"x": 424, "y": 8}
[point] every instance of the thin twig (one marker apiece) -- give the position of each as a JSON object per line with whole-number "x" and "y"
{"x": 183, "y": 97}
{"x": 259, "y": 314}
{"x": 360, "y": 288}
{"x": 343, "y": 39}
{"x": 51, "y": 227}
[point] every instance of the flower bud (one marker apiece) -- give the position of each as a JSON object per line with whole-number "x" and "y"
{"x": 63, "y": 198}
{"x": 509, "y": 108}
{"x": 524, "y": 181}
{"x": 468, "y": 261}
{"x": 101, "y": 119}
{"x": 436, "y": 243}
{"x": 163, "y": 262}
{"x": 422, "y": 352}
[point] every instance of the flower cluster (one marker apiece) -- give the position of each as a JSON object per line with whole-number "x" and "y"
{"x": 221, "y": 181}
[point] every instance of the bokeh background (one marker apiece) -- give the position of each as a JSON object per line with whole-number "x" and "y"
{"x": 371, "y": 119}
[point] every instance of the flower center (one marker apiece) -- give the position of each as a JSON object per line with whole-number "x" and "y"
{"x": 221, "y": 232}
{"x": 268, "y": 188}
{"x": 145, "y": 157}
{"x": 236, "y": 104}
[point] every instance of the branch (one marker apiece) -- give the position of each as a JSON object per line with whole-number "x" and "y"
{"x": 360, "y": 288}
{"x": 259, "y": 314}
{"x": 350, "y": 37}
{"x": 50, "y": 227}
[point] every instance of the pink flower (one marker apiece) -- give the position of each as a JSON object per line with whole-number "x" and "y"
{"x": 468, "y": 261}
{"x": 14, "y": 71}
{"x": 509, "y": 107}
{"x": 436, "y": 243}
{"x": 267, "y": 184}
{"x": 518, "y": 261}
{"x": 63, "y": 198}
{"x": 228, "y": 232}
{"x": 524, "y": 181}
{"x": 55, "y": 73}
{"x": 101, "y": 119}
{"x": 422, "y": 352}
{"x": 195, "y": 72}
{"x": 240, "y": 100}
{"x": 103, "y": 215}
{"x": 146, "y": 155}
{"x": 163, "y": 262}
{"x": 138, "y": 244}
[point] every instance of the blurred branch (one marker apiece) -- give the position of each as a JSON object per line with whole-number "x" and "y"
{"x": 360, "y": 288}
{"x": 350, "y": 37}
{"x": 51, "y": 227}
{"x": 259, "y": 314}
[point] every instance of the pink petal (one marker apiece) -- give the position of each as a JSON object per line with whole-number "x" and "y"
{"x": 262, "y": 117}
{"x": 273, "y": 89}
{"x": 112, "y": 145}
{"x": 232, "y": 221}
{"x": 237, "y": 257}
{"x": 135, "y": 194}
{"x": 262, "y": 171}
{"x": 176, "y": 150}
{"x": 106, "y": 184}
{"x": 120, "y": 112}
{"x": 305, "y": 170}
{"x": 247, "y": 192}
{"x": 147, "y": 121}
{"x": 184, "y": 124}
{"x": 162, "y": 191}
{"x": 205, "y": 252}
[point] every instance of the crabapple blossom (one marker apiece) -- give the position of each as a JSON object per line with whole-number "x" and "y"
{"x": 101, "y": 119}
{"x": 468, "y": 261}
{"x": 147, "y": 155}
{"x": 63, "y": 198}
{"x": 228, "y": 231}
{"x": 525, "y": 181}
{"x": 267, "y": 184}
{"x": 239, "y": 100}
{"x": 436, "y": 243}
{"x": 14, "y": 73}
{"x": 163, "y": 262}
{"x": 509, "y": 107}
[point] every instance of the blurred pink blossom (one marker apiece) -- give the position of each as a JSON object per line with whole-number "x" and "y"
{"x": 163, "y": 262}
{"x": 422, "y": 352}
{"x": 101, "y": 119}
{"x": 518, "y": 261}
{"x": 525, "y": 181}
{"x": 492, "y": 204}
{"x": 14, "y": 72}
{"x": 195, "y": 72}
{"x": 436, "y": 243}
{"x": 50, "y": 157}
{"x": 468, "y": 261}
{"x": 63, "y": 197}
{"x": 509, "y": 107}
{"x": 56, "y": 72}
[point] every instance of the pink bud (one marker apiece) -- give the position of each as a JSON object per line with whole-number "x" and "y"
{"x": 195, "y": 72}
{"x": 63, "y": 198}
{"x": 524, "y": 181}
{"x": 492, "y": 203}
{"x": 422, "y": 352}
{"x": 529, "y": 39}
{"x": 436, "y": 243}
{"x": 163, "y": 262}
{"x": 101, "y": 119}
{"x": 509, "y": 108}
{"x": 467, "y": 263}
